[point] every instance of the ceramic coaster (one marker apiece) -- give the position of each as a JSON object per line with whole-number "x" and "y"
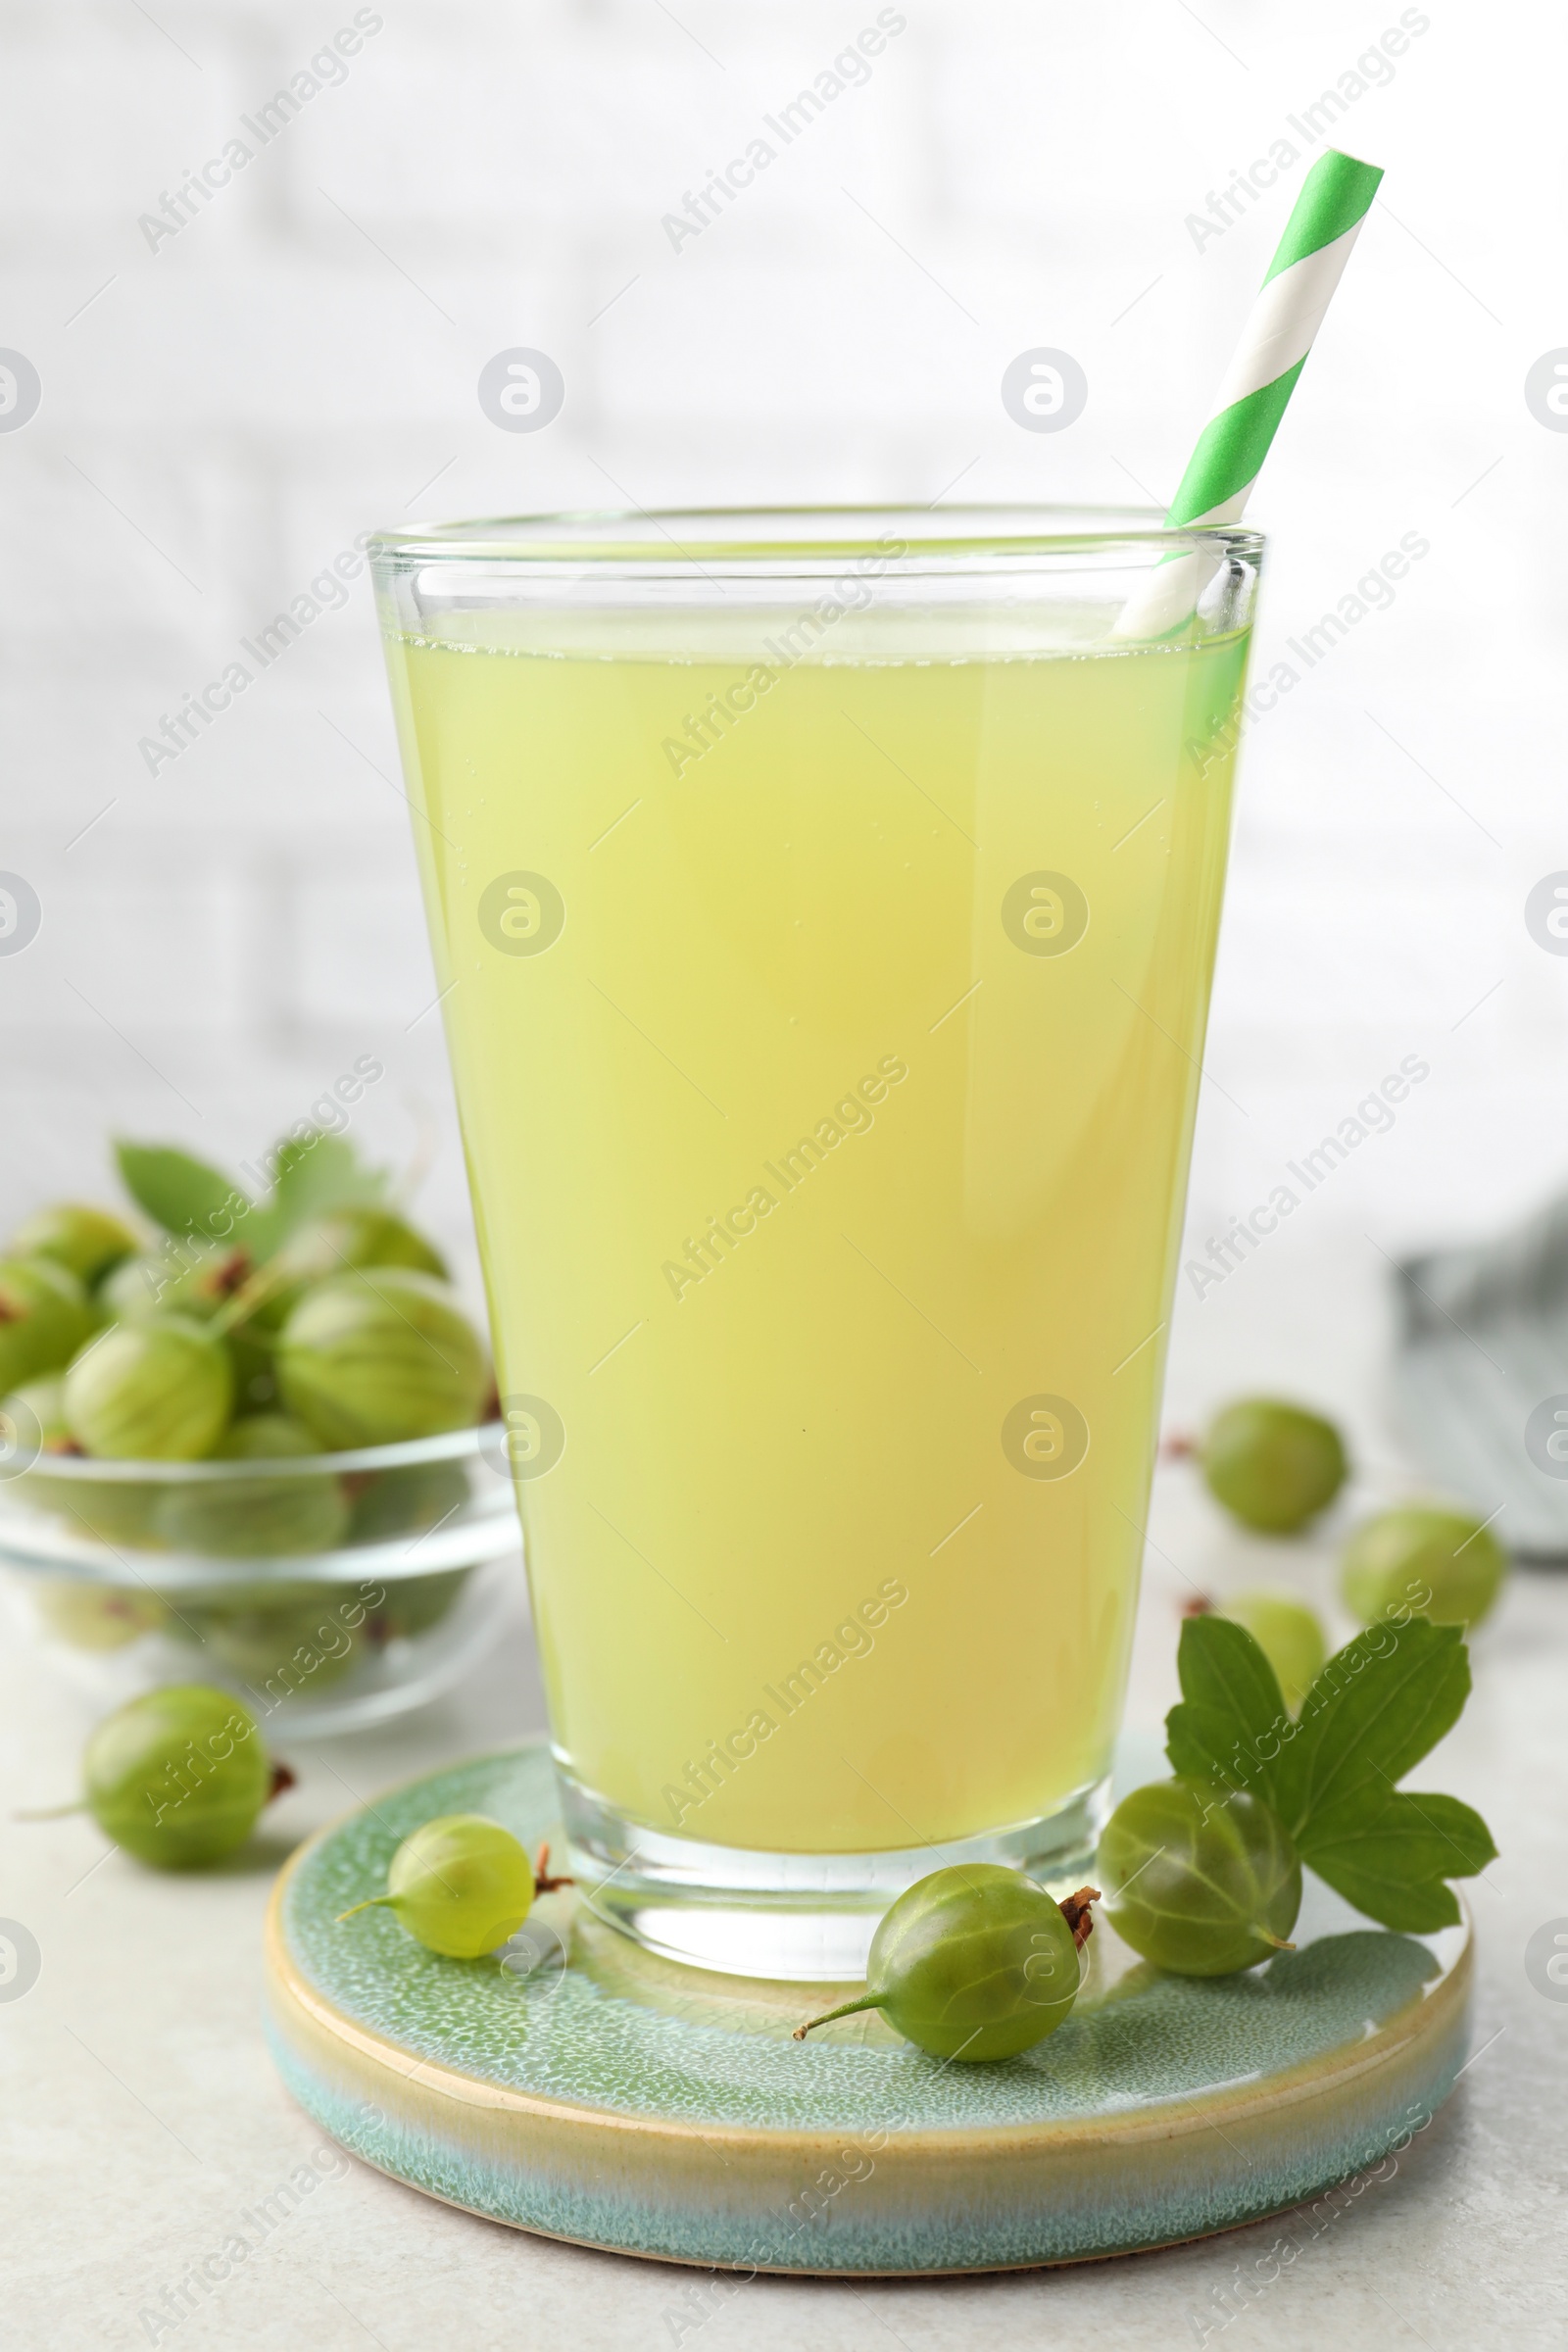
{"x": 578, "y": 2086}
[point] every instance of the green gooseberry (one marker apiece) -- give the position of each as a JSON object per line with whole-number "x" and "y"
{"x": 157, "y": 1392}
{"x": 370, "y": 1360}
{"x": 414, "y": 1496}
{"x": 350, "y": 1240}
{"x": 33, "y": 1420}
{"x": 188, "y": 1278}
{"x": 87, "y": 1240}
{"x": 293, "y": 1635}
{"x": 32, "y": 1427}
{"x": 1288, "y": 1633}
{"x": 1273, "y": 1466}
{"x": 44, "y": 1317}
{"x": 1200, "y": 1880}
{"x": 115, "y": 1513}
{"x": 257, "y": 1518}
{"x": 416, "y": 1604}
{"x": 179, "y": 1777}
{"x": 462, "y": 1885}
{"x": 1426, "y": 1559}
{"x": 95, "y": 1617}
{"x": 975, "y": 1962}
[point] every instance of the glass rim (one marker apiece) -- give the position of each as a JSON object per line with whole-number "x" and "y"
{"x": 455, "y": 1444}
{"x": 644, "y": 542}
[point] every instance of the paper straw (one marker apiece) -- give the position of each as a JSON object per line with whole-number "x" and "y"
{"x": 1335, "y": 199}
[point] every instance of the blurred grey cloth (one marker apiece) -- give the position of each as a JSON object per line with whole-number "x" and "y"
{"x": 1481, "y": 1375}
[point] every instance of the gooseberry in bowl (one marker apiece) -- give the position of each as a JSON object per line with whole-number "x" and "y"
{"x": 370, "y": 1360}
{"x": 190, "y": 1278}
{"x": 350, "y": 1240}
{"x": 403, "y": 1500}
{"x": 34, "y": 1429}
{"x": 87, "y": 1240}
{"x": 415, "y": 1603}
{"x": 285, "y": 1641}
{"x": 160, "y": 1390}
{"x": 261, "y": 1517}
{"x": 44, "y": 1317}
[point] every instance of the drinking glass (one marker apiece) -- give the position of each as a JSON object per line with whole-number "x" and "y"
{"x": 824, "y": 908}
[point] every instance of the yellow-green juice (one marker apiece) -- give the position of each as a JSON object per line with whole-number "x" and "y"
{"x": 827, "y": 1081}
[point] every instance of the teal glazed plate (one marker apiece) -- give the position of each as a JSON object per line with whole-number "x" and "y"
{"x": 576, "y": 2086}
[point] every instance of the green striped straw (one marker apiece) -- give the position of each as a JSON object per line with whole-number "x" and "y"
{"x": 1335, "y": 199}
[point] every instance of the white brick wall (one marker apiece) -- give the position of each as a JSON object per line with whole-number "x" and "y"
{"x": 299, "y": 361}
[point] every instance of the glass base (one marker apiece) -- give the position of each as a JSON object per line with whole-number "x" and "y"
{"x": 800, "y": 1918}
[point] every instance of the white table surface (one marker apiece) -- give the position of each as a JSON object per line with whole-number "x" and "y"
{"x": 142, "y": 2120}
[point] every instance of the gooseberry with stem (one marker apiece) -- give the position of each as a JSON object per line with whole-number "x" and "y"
{"x": 461, "y": 1884}
{"x": 177, "y": 1777}
{"x": 975, "y": 1962}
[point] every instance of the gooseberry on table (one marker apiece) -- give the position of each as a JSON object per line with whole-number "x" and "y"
{"x": 461, "y": 1884}
{"x": 1272, "y": 1465}
{"x": 1429, "y": 1559}
{"x": 179, "y": 1777}
{"x": 1200, "y": 1880}
{"x": 1287, "y": 1631}
{"x": 975, "y": 1962}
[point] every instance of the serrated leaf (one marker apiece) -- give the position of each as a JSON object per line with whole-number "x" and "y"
{"x": 315, "y": 1178}
{"x": 1232, "y": 1722}
{"x": 1379, "y": 1705}
{"x": 312, "y": 1179}
{"x": 181, "y": 1194}
{"x": 1418, "y": 1909}
{"x": 1396, "y": 1854}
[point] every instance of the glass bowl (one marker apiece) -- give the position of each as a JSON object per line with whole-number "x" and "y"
{"x": 329, "y": 1592}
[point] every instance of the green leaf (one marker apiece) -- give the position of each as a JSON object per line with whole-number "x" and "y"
{"x": 1376, "y": 1709}
{"x": 1232, "y": 1723}
{"x": 183, "y": 1195}
{"x": 1416, "y": 1909}
{"x": 315, "y": 1176}
{"x": 1392, "y": 1862}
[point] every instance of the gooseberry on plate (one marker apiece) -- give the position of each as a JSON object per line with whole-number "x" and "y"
{"x": 462, "y": 1885}
{"x": 1201, "y": 1881}
{"x": 975, "y": 1962}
